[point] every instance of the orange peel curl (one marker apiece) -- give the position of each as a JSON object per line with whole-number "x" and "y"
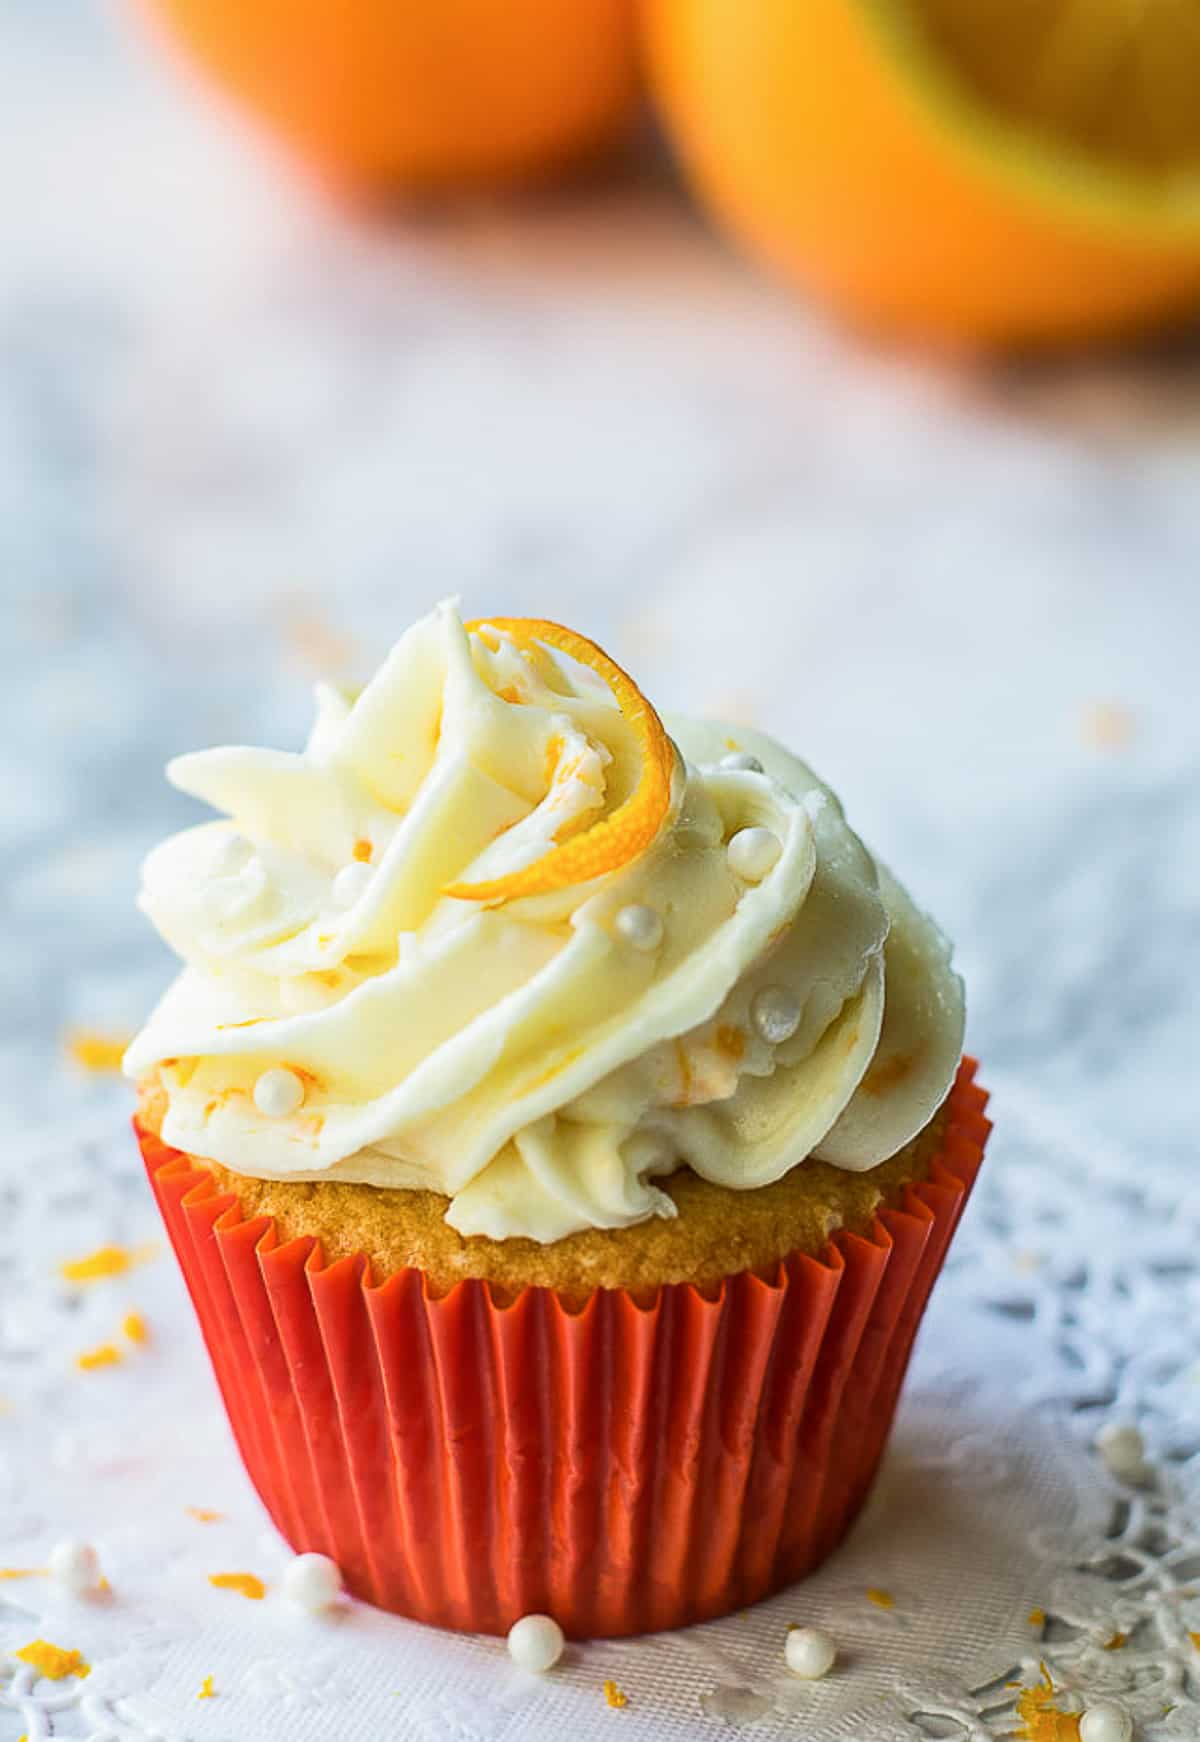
{"x": 619, "y": 837}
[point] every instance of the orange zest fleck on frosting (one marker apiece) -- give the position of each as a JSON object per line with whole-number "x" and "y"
{"x": 363, "y": 851}
{"x": 203, "y": 1514}
{"x": 731, "y": 1040}
{"x": 619, "y": 837}
{"x": 1116, "y": 1642}
{"x": 105, "y": 1261}
{"x": 135, "y": 1328}
{"x": 1195, "y": 1639}
{"x": 93, "y": 1050}
{"x": 105, "y": 1355}
{"x": 245, "y": 1584}
{"x": 881, "y": 1599}
{"x": 1041, "y": 1720}
{"x": 52, "y": 1661}
{"x": 1036, "y": 1618}
{"x": 207, "y": 1691}
{"x": 614, "y": 1697}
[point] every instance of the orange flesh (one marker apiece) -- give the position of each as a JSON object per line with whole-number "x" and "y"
{"x": 615, "y": 839}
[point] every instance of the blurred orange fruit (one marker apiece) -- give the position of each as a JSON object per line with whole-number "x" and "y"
{"x": 395, "y": 95}
{"x": 989, "y": 172}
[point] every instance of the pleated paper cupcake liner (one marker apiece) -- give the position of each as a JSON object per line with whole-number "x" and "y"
{"x": 626, "y": 1467}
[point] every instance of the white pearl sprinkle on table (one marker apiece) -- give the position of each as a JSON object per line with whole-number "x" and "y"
{"x": 312, "y": 1581}
{"x": 753, "y": 853}
{"x": 351, "y": 883}
{"x": 741, "y": 761}
{"x": 278, "y": 1092}
{"x": 1106, "y": 1722}
{"x": 640, "y": 926}
{"x": 775, "y": 1014}
{"x": 535, "y": 1642}
{"x": 1123, "y": 1449}
{"x": 809, "y": 1653}
{"x": 75, "y": 1566}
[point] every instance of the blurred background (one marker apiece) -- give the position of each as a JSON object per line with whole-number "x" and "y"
{"x": 252, "y": 425}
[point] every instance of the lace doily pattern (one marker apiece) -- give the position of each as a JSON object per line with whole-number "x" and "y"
{"x": 1000, "y": 1552}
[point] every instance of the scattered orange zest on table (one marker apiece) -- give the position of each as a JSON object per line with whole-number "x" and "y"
{"x": 52, "y": 1661}
{"x": 21, "y": 1572}
{"x": 627, "y": 831}
{"x": 207, "y": 1691}
{"x": 95, "y": 1051}
{"x": 1195, "y": 1639}
{"x": 106, "y": 1355}
{"x": 614, "y": 1696}
{"x": 881, "y": 1599}
{"x": 105, "y": 1261}
{"x": 1036, "y": 1617}
{"x": 246, "y": 1584}
{"x": 135, "y": 1328}
{"x": 1041, "y": 1719}
{"x": 203, "y": 1514}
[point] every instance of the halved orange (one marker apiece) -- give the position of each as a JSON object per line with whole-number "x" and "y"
{"x": 619, "y": 837}
{"x": 993, "y": 172}
{"x": 384, "y": 96}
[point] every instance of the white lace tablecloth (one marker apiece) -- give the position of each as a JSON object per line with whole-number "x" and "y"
{"x": 1007, "y": 1548}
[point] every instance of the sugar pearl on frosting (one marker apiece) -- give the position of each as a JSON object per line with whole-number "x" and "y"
{"x": 535, "y": 1642}
{"x": 753, "y": 852}
{"x": 809, "y": 1653}
{"x": 1123, "y": 1449}
{"x": 640, "y": 926}
{"x": 351, "y": 882}
{"x": 278, "y": 1092}
{"x": 742, "y": 760}
{"x": 775, "y": 1013}
{"x": 1105, "y": 1722}
{"x": 312, "y": 1582}
{"x": 75, "y": 1566}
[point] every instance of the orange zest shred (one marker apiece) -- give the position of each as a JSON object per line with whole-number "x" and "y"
{"x": 1116, "y": 1642}
{"x": 52, "y": 1661}
{"x": 615, "y": 839}
{"x": 106, "y": 1355}
{"x": 135, "y": 1328}
{"x": 362, "y": 852}
{"x": 203, "y": 1514}
{"x": 245, "y": 1584}
{"x": 1041, "y": 1720}
{"x": 1036, "y": 1618}
{"x": 614, "y": 1697}
{"x": 1195, "y": 1639}
{"x": 21, "y": 1572}
{"x": 105, "y": 1261}
{"x": 95, "y": 1051}
{"x": 207, "y": 1691}
{"x": 881, "y": 1599}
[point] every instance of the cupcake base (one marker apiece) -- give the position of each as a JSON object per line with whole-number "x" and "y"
{"x": 627, "y": 1466}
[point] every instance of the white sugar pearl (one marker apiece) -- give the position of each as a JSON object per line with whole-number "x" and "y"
{"x": 76, "y": 1566}
{"x": 278, "y": 1093}
{"x": 775, "y": 1013}
{"x": 809, "y": 1653}
{"x": 1105, "y": 1722}
{"x": 640, "y": 926}
{"x": 312, "y": 1582}
{"x": 743, "y": 761}
{"x": 535, "y": 1642}
{"x": 351, "y": 882}
{"x": 1122, "y": 1448}
{"x": 753, "y": 853}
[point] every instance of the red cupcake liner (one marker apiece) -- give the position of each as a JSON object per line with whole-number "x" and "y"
{"x": 626, "y": 1467}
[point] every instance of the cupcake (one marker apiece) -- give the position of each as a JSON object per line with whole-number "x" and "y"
{"x": 560, "y": 1120}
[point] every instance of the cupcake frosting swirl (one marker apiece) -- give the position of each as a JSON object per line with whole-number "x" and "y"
{"x": 748, "y": 990}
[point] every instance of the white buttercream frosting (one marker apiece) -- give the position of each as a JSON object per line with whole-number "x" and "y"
{"x": 541, "y": 1060}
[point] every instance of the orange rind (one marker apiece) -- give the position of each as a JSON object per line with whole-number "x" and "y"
{"x": 618, "y": 838}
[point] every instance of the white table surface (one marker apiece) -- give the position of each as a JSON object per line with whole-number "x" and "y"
{"x": 243, "y": 438}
